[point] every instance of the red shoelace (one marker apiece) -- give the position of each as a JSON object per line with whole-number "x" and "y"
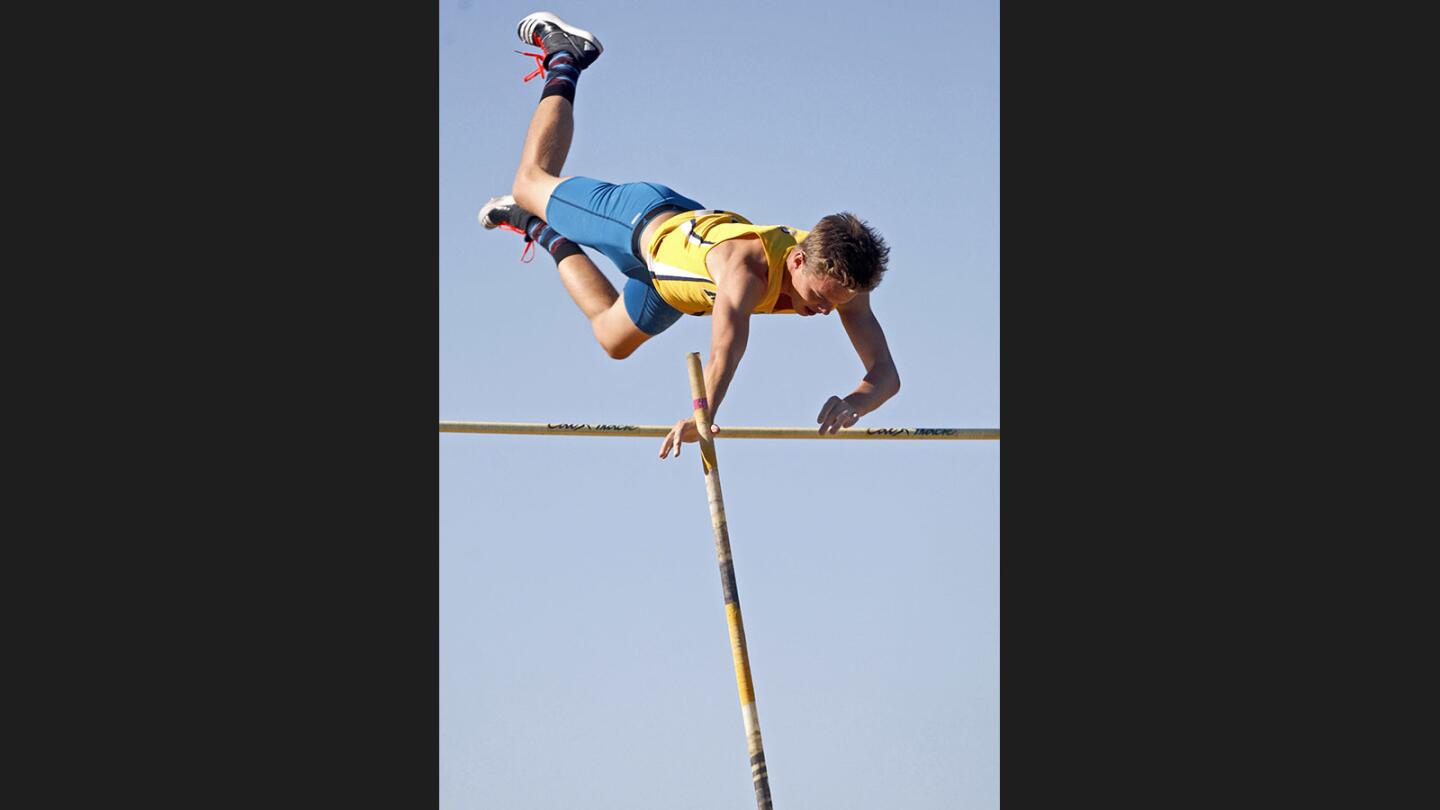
{"x": 529, "y": 243}
{"x": 539, "y": 64}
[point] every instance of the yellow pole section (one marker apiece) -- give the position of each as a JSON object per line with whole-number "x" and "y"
{"x": 726, "y": 432}
{"x": 759, "y": 775}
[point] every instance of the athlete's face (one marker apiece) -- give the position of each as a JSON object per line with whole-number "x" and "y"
{"x": 817, "y": 294}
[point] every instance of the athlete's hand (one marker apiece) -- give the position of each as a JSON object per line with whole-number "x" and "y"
{"x": 684, "y": 431}
{"x": 837, "y": 413}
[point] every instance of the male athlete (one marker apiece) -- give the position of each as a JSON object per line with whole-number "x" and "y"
{"x": 681, "y": 257}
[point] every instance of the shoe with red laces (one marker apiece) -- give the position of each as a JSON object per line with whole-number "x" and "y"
{"x": 506, "y": 214}
{"x": 552, "y": 35}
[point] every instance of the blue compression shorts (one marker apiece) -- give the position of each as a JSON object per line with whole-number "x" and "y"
{"x": 607, "y": 217}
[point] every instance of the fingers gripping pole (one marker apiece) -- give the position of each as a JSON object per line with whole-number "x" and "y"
{"x": 758, "y": 774}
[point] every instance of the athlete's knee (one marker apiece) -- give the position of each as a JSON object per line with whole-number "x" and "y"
{"x": 618, "y": 349}
{"x": 521, "y": 192}
{"x": 530, "y": 184}
{"x": 530, "y": 174}
{"x": 618, "y": 344}
{"x": 532, "y": 189}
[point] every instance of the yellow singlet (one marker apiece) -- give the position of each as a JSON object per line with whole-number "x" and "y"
{"x": 677, "y": 252}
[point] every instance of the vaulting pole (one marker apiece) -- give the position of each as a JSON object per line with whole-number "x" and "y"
{"x": 660, "y": 431}
{"x": 758, "y": 773}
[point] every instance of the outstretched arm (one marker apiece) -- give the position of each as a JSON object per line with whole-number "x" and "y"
{"x": 739, "y": 286}
{"x": 881, "y": 380}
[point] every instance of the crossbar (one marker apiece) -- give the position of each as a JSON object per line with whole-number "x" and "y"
{"x": 726, "y": 431}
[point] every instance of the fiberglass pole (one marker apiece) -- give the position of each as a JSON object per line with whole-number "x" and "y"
{"x": 758, "y": 774}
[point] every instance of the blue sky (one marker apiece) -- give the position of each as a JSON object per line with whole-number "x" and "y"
{"x": 584, "y": 659}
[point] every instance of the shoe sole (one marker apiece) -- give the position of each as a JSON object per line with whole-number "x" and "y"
{"x": 528, "y": 25}
{"x": 495, "y": 202}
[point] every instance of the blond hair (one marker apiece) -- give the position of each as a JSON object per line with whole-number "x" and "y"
{"x": 846, "y": 249}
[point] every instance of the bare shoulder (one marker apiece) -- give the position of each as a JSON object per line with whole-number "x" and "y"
{"x": 742, "y": 254}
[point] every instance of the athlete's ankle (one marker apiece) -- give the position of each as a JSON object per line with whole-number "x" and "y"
{"x": 564, "y": 72}
{"x": 551, "y": 57}
{"x": 546, "y": 237}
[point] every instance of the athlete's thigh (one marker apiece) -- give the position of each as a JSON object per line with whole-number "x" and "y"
{"x": 617, "y": 332}
{"x": 636, "y": 316}
{"x": 646, "y": 310}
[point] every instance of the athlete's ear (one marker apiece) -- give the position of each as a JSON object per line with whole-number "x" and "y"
{"x": 797, "y": 260}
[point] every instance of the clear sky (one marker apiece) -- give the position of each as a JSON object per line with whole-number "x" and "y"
{"x": 584, "y": 658}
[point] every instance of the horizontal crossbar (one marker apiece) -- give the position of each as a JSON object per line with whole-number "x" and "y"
{"x": 726, "y": 431}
